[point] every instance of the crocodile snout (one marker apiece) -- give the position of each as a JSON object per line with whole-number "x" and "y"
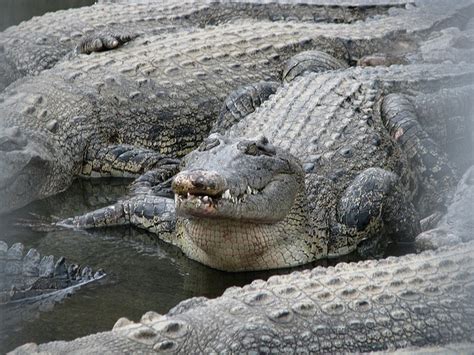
{"x": 199, "y": 182}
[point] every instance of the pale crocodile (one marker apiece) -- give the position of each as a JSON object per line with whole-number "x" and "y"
{"x": 38, "y": 44}
{"x": 412, "y": 301}
{"x": 123, "y": 112}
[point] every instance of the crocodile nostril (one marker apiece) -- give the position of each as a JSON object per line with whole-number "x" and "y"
{"x": 199, "y": 182}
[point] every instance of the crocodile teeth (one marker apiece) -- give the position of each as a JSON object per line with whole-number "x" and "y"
{"x": 249, "y": 190}
{"x": 226, "y": 195}
{"x": 206, "y": 199}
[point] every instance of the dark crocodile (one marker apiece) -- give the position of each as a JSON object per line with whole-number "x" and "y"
{"x": 30, "y": 283}
{"x": 124, "y": 112}
{"x": 40, "y": 43}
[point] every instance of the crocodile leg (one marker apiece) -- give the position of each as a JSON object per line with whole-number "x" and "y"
{"x": 457, "y": 224}
{"x": 376, "y": 202}
{"x": 145, "y": 209}
{"x": 242, "y": 102}
{"x": 156, "y": 181}
{"x": 435, "y": 174}
{"x": 446, "y": 115}
{"x": 310, "y": 61}
{"x": 153, "y": 213}
{"x": 124, "y": 161}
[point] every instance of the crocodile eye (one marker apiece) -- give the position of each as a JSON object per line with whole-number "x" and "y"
{"x": 208, "y": 144}
{"x": 257, "y": 148}
{"x": 251, "y": 149}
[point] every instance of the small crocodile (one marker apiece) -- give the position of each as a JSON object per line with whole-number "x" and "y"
{"x": 40, "y": 43}
{"x": 127, "y": 111}
{"x": 30, "y": 283}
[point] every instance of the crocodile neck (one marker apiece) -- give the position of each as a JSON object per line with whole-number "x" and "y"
{"x": 230, "y": 244}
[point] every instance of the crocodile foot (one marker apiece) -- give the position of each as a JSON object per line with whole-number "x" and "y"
{"x": 104, "y": 41}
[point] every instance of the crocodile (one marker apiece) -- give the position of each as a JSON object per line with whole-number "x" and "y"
{"x": 330, "y": 181}
{"x": 124, "y": 112}
{"x": 356, "y": 307}
{"x": 40, "y": 43}
{"x": 30, "y": 283}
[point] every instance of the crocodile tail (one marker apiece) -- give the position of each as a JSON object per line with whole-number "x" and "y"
{"x": 25, "y": 275}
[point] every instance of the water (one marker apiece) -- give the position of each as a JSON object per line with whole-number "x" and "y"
{"x": 14, "y": 11}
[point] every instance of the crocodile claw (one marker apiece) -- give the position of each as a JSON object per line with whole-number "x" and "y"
{"x": 103, "y": 41}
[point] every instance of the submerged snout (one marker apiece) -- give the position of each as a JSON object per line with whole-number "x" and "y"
{"x": 199, "y": 182}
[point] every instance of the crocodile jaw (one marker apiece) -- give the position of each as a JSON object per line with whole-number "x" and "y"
{"x": 243, "y": 245}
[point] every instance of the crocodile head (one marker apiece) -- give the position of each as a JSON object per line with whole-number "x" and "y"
{"x": 25, "y": 168}
{"x": 241, "y": 204}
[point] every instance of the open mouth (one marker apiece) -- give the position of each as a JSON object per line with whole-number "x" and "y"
{"x": 203, "y": 205}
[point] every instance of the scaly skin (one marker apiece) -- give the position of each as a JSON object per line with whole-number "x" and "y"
{"x": 447, "y": 117}
{"x": 413, "y": 300}
{"x": 38, "y": 44}
{"x": 67, "y": 120}
{"x": 457, "y": 224}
